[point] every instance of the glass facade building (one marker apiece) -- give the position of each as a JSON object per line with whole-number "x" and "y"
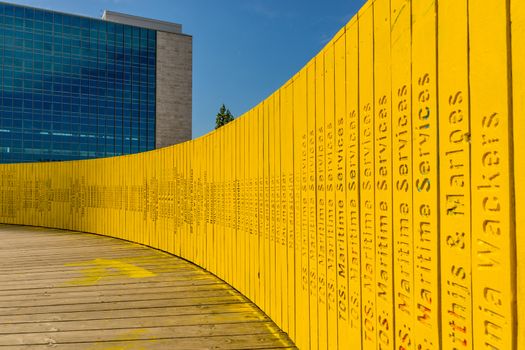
{"x": 73, "y": 87}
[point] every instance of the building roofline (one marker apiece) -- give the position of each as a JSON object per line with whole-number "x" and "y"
{"x": 137, "y": 21}
{"x": 153, "y": 23}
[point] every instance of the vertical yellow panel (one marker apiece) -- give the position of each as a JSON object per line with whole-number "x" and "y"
{"x": 280, "y": 250}
{"x": 239, "y": 263}
{"x": 112, "y": 188}
{"x": 217, "y": 168}
{"x": 266, "y": 268}
{"x": 172, "y": 228}
{"x": 284, "y": 115}
{"x": 196, "y": 207}
{"x": 96, "y": 183}
{"x": 274, "y": 293}
{"x": 147, "y": 224}
{"x": 305, "y": 88}
{"x": 128, "y": 183}
{"x": 136, "y": 161}
{"x": 151, "y": 158}
{"x": 198, "y": 156}
{"x": 223, "y": 223}
{"x": 280, "y": 234}
{"x": 138, "y": 227}
{"x": 249, "y": 163}
{"x": 192, "y": 160}
{"x": 160, "y": 191}
{"x": 230, "y": 155}
{"x": 206, "y": 223}
{"x": 112, "y": 173}
{"x": 253, "y": 162}
{"x": 206, "y": 199}
{"x": 225, "y": 179}
{"x": 204, "y": 154}
{"x": 187, "y": 246}
{"x": 181, "y": 198}
{"x": 124, "y": 184}
{"x": 254, "y": 214}
{"x": 341, "y": 139}
{"x": 259, "y": 130}
{"x": 197, "y": 203}
{"x": 264, "y": 226}
{"x": 176, "y": 234}
{"x": 107, "y": 213}
{"x": 134, "y": 198}
{"x": 402, "y": 174}
{"x": 518, "y": 85}
{"x": 353, "y": 313}
{"x": 425, "y": 160}
{"x": 171, "y": 231}
{"x": 454, "y": 174}
{"x": 493, "y": 232}
{"x": 321, "y": 201}
{"x": 180, "y": 240}
{"x": 366, "y": 172}
{"x": 330, "y": 168}
{"x": 166, "y": 169}
{"x": 86, "y": 226}
{"x": 243, "y": 168}
{"x": 104, "y": 209}
{"x": 181, "y": 201}
{"x": 192, "y": 198}
{"x": 211, "y": 230}
{"x": 287, "y": 190}
{"x": 383, "y": 175}
{"x": 299, "y": 321}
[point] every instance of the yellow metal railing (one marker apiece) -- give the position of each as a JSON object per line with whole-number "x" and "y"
{"x": 375, "y": 201}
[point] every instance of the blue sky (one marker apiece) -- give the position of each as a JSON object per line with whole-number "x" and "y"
{"x": 243, "y": 50}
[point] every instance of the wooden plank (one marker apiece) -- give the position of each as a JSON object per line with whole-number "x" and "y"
{"x": 156, "y": 321}
{"x": 271, "y": 341}
{"x": 139, "y": 333}
{"x": 201, "y": 310}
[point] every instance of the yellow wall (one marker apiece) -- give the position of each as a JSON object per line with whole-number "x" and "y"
{"x": 375, "y": 201}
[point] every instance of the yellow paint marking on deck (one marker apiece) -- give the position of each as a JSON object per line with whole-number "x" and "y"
{"x": 105, "y": 268}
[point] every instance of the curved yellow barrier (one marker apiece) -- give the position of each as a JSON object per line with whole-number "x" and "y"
{"x": 375, "y": 201}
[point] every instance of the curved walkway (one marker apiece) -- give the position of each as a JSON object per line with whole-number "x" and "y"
{"x": 70, "y": 290}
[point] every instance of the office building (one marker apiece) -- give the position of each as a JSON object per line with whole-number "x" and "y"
{"x": 74, "y": 87}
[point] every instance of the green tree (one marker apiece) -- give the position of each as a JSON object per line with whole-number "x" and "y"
{"x": 223, "y": 117}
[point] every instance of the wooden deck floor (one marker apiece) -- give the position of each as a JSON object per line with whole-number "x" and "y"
{"x": 69, "y": 290}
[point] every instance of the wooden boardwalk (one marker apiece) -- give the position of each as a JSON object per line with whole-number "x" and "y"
{"x": 69, "y": 290}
